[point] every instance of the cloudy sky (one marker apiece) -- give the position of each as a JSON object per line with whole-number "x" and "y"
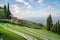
{"x": 33, "y": 8}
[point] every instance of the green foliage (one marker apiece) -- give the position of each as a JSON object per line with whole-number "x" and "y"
{"x": 49, "y": 23}
{"x": 1, "y": 34}
{"x": 5, "y": 12}
{"x": 1, "y": 12}
{"x": 8, "y": 12}
{"x": 56, "y": 28}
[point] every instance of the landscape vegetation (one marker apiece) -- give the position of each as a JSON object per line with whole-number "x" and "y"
{"x": 12, "y": 28}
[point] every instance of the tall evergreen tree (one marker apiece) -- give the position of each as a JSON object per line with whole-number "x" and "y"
{"x": 8, "y": 12}
{"x": 58, "y": 27}
{"x": 55, "y": 28}
{"x": 5, "y": 11}
{"x": 49, "y": 23}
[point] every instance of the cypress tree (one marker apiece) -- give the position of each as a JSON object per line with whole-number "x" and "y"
{"x": 55, "y": 28}
{"x": 8, "y": 12}
{"x": 5, "y": 11}
{"x": 49, "y": 23}
{"x": 58, "y": 27}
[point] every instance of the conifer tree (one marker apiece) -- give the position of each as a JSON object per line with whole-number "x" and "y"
{"x": 55, "y": 28}
{"x": 5, "y": 11}
{"x": 58, "y": 27}
{"x": 49, "y": 23}
{"x": 8, "y": 12}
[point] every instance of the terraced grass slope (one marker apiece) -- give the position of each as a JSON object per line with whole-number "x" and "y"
{"x": 33, "y": 34}
{"x": 7, "y": 35}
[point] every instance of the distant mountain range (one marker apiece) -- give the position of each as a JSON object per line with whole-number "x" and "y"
{"x": 43, "y": 20}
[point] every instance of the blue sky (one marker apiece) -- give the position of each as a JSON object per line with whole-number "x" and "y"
{"x": 33, "y": 8}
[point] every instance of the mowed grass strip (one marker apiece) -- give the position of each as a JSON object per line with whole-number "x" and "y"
{"x": 40, "y": 33}
{"x": 7, "y": 35}
{"x": 37, "y": 33}
{"x": 22, "y": 29}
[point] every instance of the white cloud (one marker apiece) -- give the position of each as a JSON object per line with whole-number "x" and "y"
{"x": 16, "y": 8}
{"x": 17, "y": 12}
{"x": 40, "y": 2}
{"x": 20, "y": 0}
{"x": 26, "y": 4}
{"x": 26, "y": 14}
{"x": 50, "y": 7}
{"x": 23, "y": 1}
{"x": 29, "y": 6}
{"x": 31, "y": 1}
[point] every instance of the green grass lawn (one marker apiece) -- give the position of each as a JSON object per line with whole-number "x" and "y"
{"x": 39, "y": 34}
{"x": 7, "y": 35}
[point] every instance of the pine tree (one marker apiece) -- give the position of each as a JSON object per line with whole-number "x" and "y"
{"x": 49, "y": 23}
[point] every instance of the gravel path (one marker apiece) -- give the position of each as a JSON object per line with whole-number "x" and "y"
{"x": 19, "y": 33}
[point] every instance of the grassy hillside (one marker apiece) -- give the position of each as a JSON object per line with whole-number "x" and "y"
{"x": 7, "y": 35}
{"x": 25, "y": 23}
{"x": 30, "y": 24}
{"x": 38, "y": 34}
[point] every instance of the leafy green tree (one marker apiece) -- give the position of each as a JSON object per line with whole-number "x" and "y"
{"x": 49, "y": 23}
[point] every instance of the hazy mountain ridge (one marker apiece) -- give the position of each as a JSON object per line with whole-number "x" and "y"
{"x": 43, "y": 20}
